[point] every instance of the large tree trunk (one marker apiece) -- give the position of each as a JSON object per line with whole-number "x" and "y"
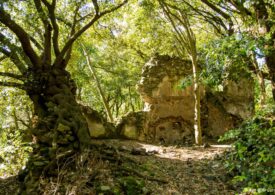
{"x": 59, "y": 128}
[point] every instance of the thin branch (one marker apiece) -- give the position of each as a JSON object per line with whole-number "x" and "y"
{"x": 223, "y": 14}
{"x": 12, "y": 84}
{"x": 208, "y": 17}
{"x": 3, "y": 58}
{"x": 15, "y": 59}
{"x": 68, "y": 53}
{"x": 240, "y": 7}
{"x": 41, "y": 13}
{"x": 96, "y": 6}
{"x": 46, "y": 56}
{"x": 180, "y": 35}
{"x": 58, "y": 60}
{"x": 74, "y": 20}
{"x": 29, "y": 126}
{"x": 214, "y": 18}
{"x": 67, "y": 23}
{"x": 22, "y": 35}
{"x": 84, "y": 17}
{"x": 11, "y": 75}
{"x": 36, "y": 43}
{"x": 210, "y": 21}
{"x": 216, "y": 9}
{"x": 13, "y": 53}
{"x": 51, "y": 9}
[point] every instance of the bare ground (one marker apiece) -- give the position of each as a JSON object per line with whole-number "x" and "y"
{"x": 131, "y": 167}
{"x": 172, "y": 169}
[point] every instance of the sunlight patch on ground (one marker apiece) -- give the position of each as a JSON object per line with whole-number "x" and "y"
{"x": 185, "y": 153}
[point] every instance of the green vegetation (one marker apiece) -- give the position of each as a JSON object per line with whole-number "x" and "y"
{"x": 131, "y": 185}
{"x": 14, "y": 153}
{"x": 56, "y": 55}
{"x": 252, "y": 160}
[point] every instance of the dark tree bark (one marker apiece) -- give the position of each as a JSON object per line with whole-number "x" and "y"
{"x": 59, "y": 128}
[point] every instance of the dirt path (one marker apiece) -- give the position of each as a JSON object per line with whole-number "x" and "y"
{"x": 133, "y": 168}
{"x": 184, "y": 170}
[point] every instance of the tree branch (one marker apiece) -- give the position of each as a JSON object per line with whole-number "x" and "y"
{"x": 29, "y": 126}
{"x": 179, "y": 34}
{"x": 96, "y": 6}
{"x": 22, "y": 36}
{"x": 209, "y": 17}
{"x": 12, "y": 84}
{"x": 41, "y": 13}
{"x": 216, "y": 9}
{"x": 240, "y": 7}
{"x": 51, "y": 10}
{"x": 84, "y": 17}
{"x": 223, "y": 14}
{"x": 3, "y": 58}
{"x": 36, "y": 43}
{"x": 67, "y": 23}
{"x": 12, "y": 54}
{"x": 11, "y": 75}
{"x": 46, "y": 56}
{"x": 68, "y": 53}
{"x": 15, "y": 59}
{"x": 69, "y": 43}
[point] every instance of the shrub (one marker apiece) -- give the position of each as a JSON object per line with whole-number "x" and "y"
{"x": 251, "y": 162}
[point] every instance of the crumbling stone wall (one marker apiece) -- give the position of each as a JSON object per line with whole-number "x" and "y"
{"x": 98, "y": 125}
{"x": 169, "y": 111}
{"x": 160, "y": 74}
{"x": 132, "y": 125}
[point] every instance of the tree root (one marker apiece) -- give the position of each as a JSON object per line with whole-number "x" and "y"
{"x": 119, "y": 157}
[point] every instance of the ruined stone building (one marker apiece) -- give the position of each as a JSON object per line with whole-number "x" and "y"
{"x": 169, "y": 109}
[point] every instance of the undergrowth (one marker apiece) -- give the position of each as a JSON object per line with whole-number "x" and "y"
{"x": 251, "y": 162}
{"x": 14, "y": 152}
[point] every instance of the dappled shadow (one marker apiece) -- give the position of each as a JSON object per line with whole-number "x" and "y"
{"x": 174, "y": 169}
{"x": 129, "y": 167}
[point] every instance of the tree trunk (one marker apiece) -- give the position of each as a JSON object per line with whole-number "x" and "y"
{"x": 263, "y": 20}
{"x": 99, "y": 88}
{"x": 131, "y": 99}
{"x": 197, "y": 97}
{"x": 59, "y": 126}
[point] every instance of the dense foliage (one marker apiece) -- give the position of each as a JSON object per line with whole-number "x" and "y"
{"x": 233, "y": 38}
{"x": 14, "y": 152}
{"x": 15, "y": 117}
{"x": 252, "y": 161}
